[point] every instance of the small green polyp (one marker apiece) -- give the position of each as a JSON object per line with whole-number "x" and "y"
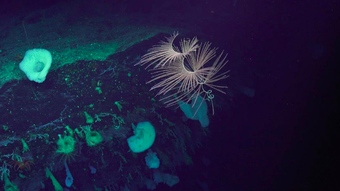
{"x": 5, "y": 127}
{"x": 88, "y": 117}
{"x": 118, "y": 105}
{"x": 24, "y": 146}
{"x": 99, "y": 90}
{"x": 69, "y": 130}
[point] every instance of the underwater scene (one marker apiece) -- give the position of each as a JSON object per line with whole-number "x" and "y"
{"x": 190, "y": 95}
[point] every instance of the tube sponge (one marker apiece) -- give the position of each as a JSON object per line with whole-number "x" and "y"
{"x": 144, "y": 137}
{"x": 69, "y": 177}
{"x": 9, "y": 186}
{"x": 57, "y": 186}
{"x": 36, "y": 64}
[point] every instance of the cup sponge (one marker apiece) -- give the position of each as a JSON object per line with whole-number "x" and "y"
{"x": 93, "y": 138}
{"x": 36, "y": 64}
{"x": 66, "y": 145}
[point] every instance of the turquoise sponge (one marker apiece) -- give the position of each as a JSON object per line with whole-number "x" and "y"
{"x": 144, "y": 137}
{"x": 196, "y": 111}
